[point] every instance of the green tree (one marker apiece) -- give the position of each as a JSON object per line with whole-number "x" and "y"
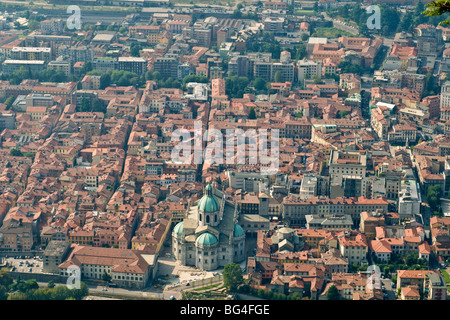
{"x": 31, "y": 285}
{"x": 9, "y": 101}
{"x": 348, "y": 67}
{"x": 5, "y": 279}
{"x": 105, "y": 80}
{"x": 85, "y": 105}
{"x": 33, "y": 25}
{"x": 235, "y": 86}
{"x": 277, "y": 77}
{"x": 15, "y": 152}
{"x": 438, "y": 8}
{"x": 333, "y": 293}
{"x": 316, "y": 6}
{"x": 433, "y": 197}
{"x": 343, "y": 113}
{"x": 232, "y": 276}
{"x": 252, "y": 113}
{"x": 106, "y": 277}
{"x": 156, "y": 75}
{"x": 259, "y": 84}
{"x": 316, "y": 80}
{"x": 135, "y": 50}
{"x": 18, "y": 296}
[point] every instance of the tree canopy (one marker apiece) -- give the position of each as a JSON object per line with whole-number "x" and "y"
{"x": 438, "y": 8}
{"x": 232, "y": 276}
{"x": 333, "y": 293}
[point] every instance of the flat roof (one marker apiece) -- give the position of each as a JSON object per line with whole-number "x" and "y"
{"x": 12, "y": 61}
{"x": 32, "y": 49}
{"x": 253, "y": 218}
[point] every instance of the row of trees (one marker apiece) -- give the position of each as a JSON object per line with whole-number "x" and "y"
{"x": 434, "y": 194}
{"x": 348, "y": 67}
{"x": 29, "y": 290}
{"x": 119, "y": 78}
{"x": 234, "y": 282}
{"x": 46, "y": 75}
{"x": 269, "y": 44}
{"x": 96, "y": 105}
{"x": 412, "y": 19}
{"x": 398, "y": 262}
{"x": 268, "y": 295}
{"x": 235, "y": 86}
{"x": 391, "y": 20}
{"x": 389, "y": 16}
{"x": 15, "y": 152}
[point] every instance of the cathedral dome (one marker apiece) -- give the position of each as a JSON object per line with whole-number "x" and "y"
{"x": 206, "y": 239}
{"x": 238, "y": 231}
{"x": 208, "y": 203}
{"x": 178, "y": 229}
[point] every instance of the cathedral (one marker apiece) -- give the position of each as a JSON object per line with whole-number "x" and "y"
{"x": 209, "y": 237}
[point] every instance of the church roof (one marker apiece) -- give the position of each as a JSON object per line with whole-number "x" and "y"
{"x": 206, "y": 239}
{"x": 208, "y": 203}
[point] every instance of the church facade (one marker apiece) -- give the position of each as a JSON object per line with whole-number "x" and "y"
{"x": 209, "y": 237}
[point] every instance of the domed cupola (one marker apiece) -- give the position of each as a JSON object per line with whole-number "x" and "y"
{"x": 178, "y": 229}
{"x": 206, "y": 239}
{"x": 238, "y": 231}
{"x": 208, "y": 203}
{"x": 208, "y": 208}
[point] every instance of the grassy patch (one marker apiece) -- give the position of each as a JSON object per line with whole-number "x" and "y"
{"x": 305, "y": 13}
{"x": 212, "y": 3}
{"x": 207, "y": 287}
{"x": 330, "y": 33}
{"x": 445, "y": 275}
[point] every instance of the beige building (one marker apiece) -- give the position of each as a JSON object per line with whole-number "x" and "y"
{"x": 347, "y": 163}
{"x": 127, "y": 268}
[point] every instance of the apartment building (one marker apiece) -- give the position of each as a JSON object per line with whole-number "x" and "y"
{"x": 273, "y": 24}
{"x": 105, "y": 64}
{"x": 133, "y": 64}
{"x": 409, "y": 199}
{"x": 31, "y": 53}
{"x": 295, "y": 210}
{"x": 347, "y": 163}
{"x": 167, "y": 66}
{"x": 11, "y": 65}
{"x": 354, "y": 249}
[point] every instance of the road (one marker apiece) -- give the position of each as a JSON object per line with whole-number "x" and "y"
{"x": 389, "y": 289}
{"x": 120, "y": 292}
{"x": 338, "y": 24}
